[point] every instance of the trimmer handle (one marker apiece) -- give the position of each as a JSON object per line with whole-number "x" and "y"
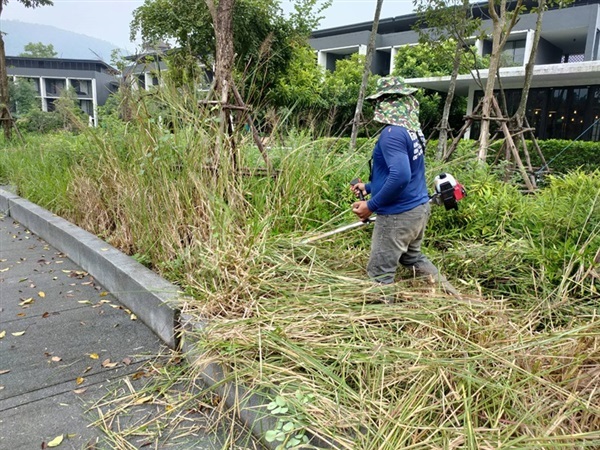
{"x": 360, "y": 194}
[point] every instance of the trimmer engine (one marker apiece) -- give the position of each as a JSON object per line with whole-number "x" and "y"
{"x": 448, "y": 191}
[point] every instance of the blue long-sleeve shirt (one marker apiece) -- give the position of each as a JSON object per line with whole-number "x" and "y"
{"x": 398, "y": 172}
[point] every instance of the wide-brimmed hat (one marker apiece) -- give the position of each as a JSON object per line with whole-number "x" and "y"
{"x": 391, "y": 86}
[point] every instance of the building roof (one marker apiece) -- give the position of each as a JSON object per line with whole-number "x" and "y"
{"x": 548, "y": 75}
{"x": 407, "y": 21}
{"x": 70, "y": 63}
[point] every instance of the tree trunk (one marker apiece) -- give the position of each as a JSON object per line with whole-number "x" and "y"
{"x": 5, "y": 116}
{"x": 520, "y": 114}
{"x": 486, "y": 105}
{"x": 365, "y": 78}
{"x": 222, "y": 16}
{"x": 444, "y": 123}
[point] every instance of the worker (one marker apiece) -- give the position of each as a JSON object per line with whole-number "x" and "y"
{"x": 398, "y": 189}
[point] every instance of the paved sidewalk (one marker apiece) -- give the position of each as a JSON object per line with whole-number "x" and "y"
{"x": 64, "y": 343}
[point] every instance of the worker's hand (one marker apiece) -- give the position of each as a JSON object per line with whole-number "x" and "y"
{"x": 358, "y": 188}
{"x": 361, "y": 210}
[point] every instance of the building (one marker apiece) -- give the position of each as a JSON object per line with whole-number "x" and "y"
{"x": 148, "y": 67}
{"x": 92, "y": 81}
{"x": 564, "y": 102}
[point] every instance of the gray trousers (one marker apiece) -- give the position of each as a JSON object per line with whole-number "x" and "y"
{"x": 397, "y": 240}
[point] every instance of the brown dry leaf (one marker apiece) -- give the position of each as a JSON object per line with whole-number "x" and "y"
{"x": 79, "y": 380}
{"x": 109, "y": 365}
{"x": 42, "y": 294}
{"x": 18, "y": 333}
{"x": 79, "y": 391}
{"x": 142, "y": 400}
{"x": 45, "y": 315}
{"x": 94, "y": 355}
{"x": 127, "y": 361}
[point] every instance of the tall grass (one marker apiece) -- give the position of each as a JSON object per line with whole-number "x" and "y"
{"x": 513, "y": 365}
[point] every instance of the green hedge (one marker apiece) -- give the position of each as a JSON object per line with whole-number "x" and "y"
{"x": 563, "y": 156}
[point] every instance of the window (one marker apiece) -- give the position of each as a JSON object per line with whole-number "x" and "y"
{"x": 82, "y": 87}
{"x": 54, "y": 86}
{"x": 514, "y": 53}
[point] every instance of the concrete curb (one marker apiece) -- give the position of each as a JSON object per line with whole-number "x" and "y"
{"x": 148, "y": 296}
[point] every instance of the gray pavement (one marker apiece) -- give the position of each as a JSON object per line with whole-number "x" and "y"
{"x": 64, "y": 344}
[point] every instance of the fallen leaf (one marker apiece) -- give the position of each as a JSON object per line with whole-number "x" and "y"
{"x": 133, "y": 317}
{"x": 18, "y": 333}
{"x": 42, "y": 294}
{"x": 2, "y": 334}
{"x": 127, "y": 361}
{"x": 21, "y": 315}
{"x": 84, "y": 302}
{"x": 56, "y": 358}
{"x": 94, "y": 355}
{"x": 4, "y": 270}
{"x": 45, "y": 315}
{"x": 26, "y": 301}
{"x": 141, "y": 400}
{"x": 109, "y": 365}
{"x": 87, "y": 369}
{"x": 79, "y": 391}
{"x": 56, "y": 441}
{"x": 79, "y": 380}
{"x": 103, "y": 294}
{"x": 2, "y": 372}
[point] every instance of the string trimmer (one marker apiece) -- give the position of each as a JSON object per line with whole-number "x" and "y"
{"x": 448, "y": 192}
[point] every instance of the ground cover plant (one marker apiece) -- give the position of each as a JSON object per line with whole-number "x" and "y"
{"x": 514, "y": 364}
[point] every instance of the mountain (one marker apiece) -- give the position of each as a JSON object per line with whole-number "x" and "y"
{"x": 66, "y": 43}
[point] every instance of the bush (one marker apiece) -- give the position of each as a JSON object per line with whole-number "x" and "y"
{"x": 563, "y": 156}
{"x": 37, "y": 121}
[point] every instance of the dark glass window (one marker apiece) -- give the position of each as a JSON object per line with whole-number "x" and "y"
{"x": 514, "y": 53}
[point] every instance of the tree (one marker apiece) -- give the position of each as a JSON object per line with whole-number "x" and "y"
{"x": 23, "y": 97}
{"x": 365, "y": 77}
{"x": 5, "y": 116}
{"x": 39, "y": 50}
{"x": 448, "y": 20}
{"x": 427, "y": 59}
{"x": 503, "y": 21}
{"x": 260, "y": 35}
{"x": 248, "y": 37}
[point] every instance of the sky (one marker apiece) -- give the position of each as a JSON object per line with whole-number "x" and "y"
{"x": 109, "y": 19}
